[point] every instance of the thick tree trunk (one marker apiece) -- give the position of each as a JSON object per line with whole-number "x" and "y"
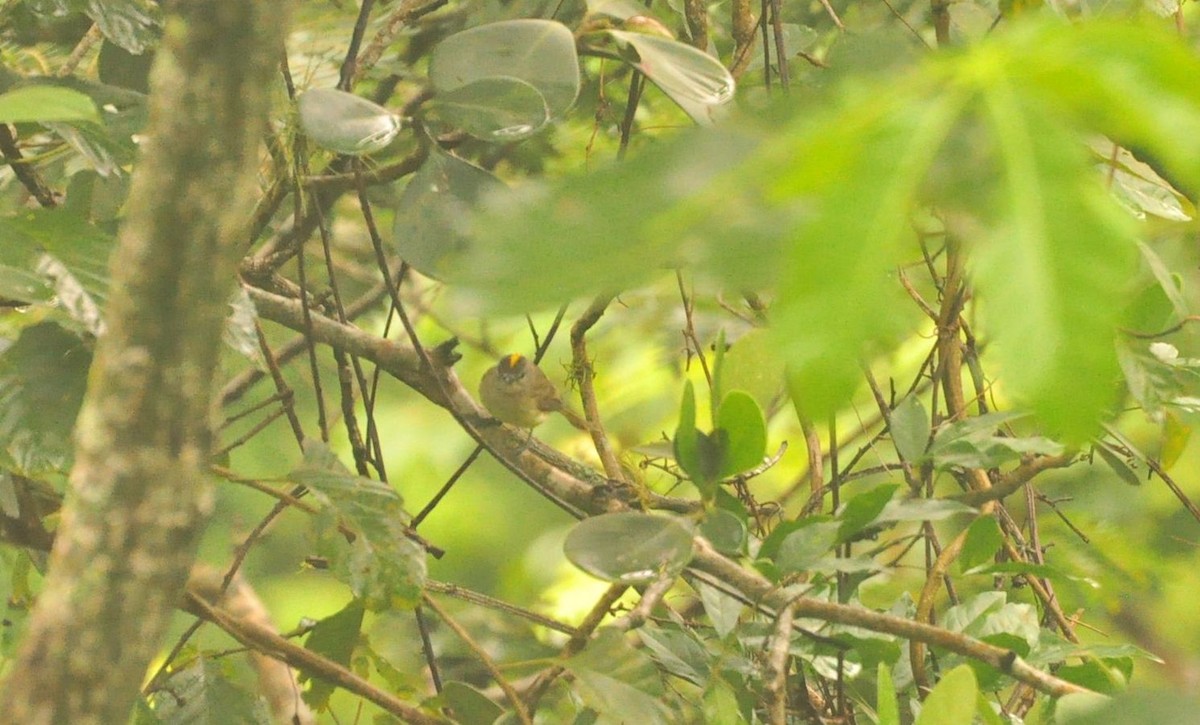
{"x": 139, "y": 495}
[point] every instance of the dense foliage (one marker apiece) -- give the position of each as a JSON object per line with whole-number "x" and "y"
{"x": 886, "y": 352}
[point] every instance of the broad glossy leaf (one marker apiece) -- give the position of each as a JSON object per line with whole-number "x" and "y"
{"x": 36, "y": 103}
{"x": 923, "y": 509}
{"x": 952, "y": 700}
{"x": 630, "y": 547}
{"x": 430, "y": 222}
{"x": 345, "y": 123}
{"x": 496, "y": 108}
{"x": 692, "y": 78}
{"x": 540, "y": 53}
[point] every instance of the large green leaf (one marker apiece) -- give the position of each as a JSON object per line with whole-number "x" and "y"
{"x": 1053, "y": 273}
{"x": 430, "y": 222}
{"x": 952, "y": 700}
{"x": 539, "y": 53}
{"x": 865, "y": 169}
{"x": 618, "y": 681}
{"x": 630, "y": 546}
{"x": 46, "y": 103}
{"x": 692, "y": 78}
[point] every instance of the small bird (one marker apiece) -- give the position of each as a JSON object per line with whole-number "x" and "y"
{"x": 518, "y": 393}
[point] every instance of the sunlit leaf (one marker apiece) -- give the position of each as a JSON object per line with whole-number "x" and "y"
{"x": 46, "y": 103}
{"x": 1052, "y": 317}
{"x": 952, "y": 700}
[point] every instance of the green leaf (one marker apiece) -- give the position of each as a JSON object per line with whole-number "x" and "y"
{"x": 345, "y": 123}
{"x": 620, "y": 225}
{"x": 333, "y": 638}
{"x": 118, "y": 67}
{"x": 203, "y": 692}
{"x": 495, "y": 109}
{"x": 719, "y": 704}
{"x": 886, "y": 707}
{"x": 629, "y": 546}
{"x": 381, "y": 565}
{"x": 724, "y": 611}
{"x": 752, "y": 364}
{"x": 952, "y": 700}
{"x": 984, "y": 538}
{"x": 471, "y": 706}
{"x": 910, "y": 428}
{"x": 836, "y": 302}
{"x": 1118, "y": 464}
{"x": 38, "y": 103}
{"x": 43, "y": 376}
{"x": 618, "y": 681}
{"x": 539, "y": 53}
{"x": 429, "y": 226}
{"x": 692, "y": 78}
{"x": 1053, "y": 318}
{"x": 746, "y": 433}
{"x": 923, "y": 509}
{"x": 700, "y": 455}
{"x": 807, "y": 545}
{"x": 724, "y": 530}
{"x": 131, "y": 24}
{"x": 862, "y": 510}
{"x": 972, "y": 443}
{"x": 677, "y": 651}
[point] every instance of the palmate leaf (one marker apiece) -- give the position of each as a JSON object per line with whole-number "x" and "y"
{"x": 819, "y": 204}
{"x": 1053, "y": 273}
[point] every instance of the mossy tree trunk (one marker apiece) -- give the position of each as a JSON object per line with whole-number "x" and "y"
{"x": 139, "y": 494}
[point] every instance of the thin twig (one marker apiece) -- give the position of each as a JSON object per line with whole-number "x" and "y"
{"x": 518, "y": 705}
